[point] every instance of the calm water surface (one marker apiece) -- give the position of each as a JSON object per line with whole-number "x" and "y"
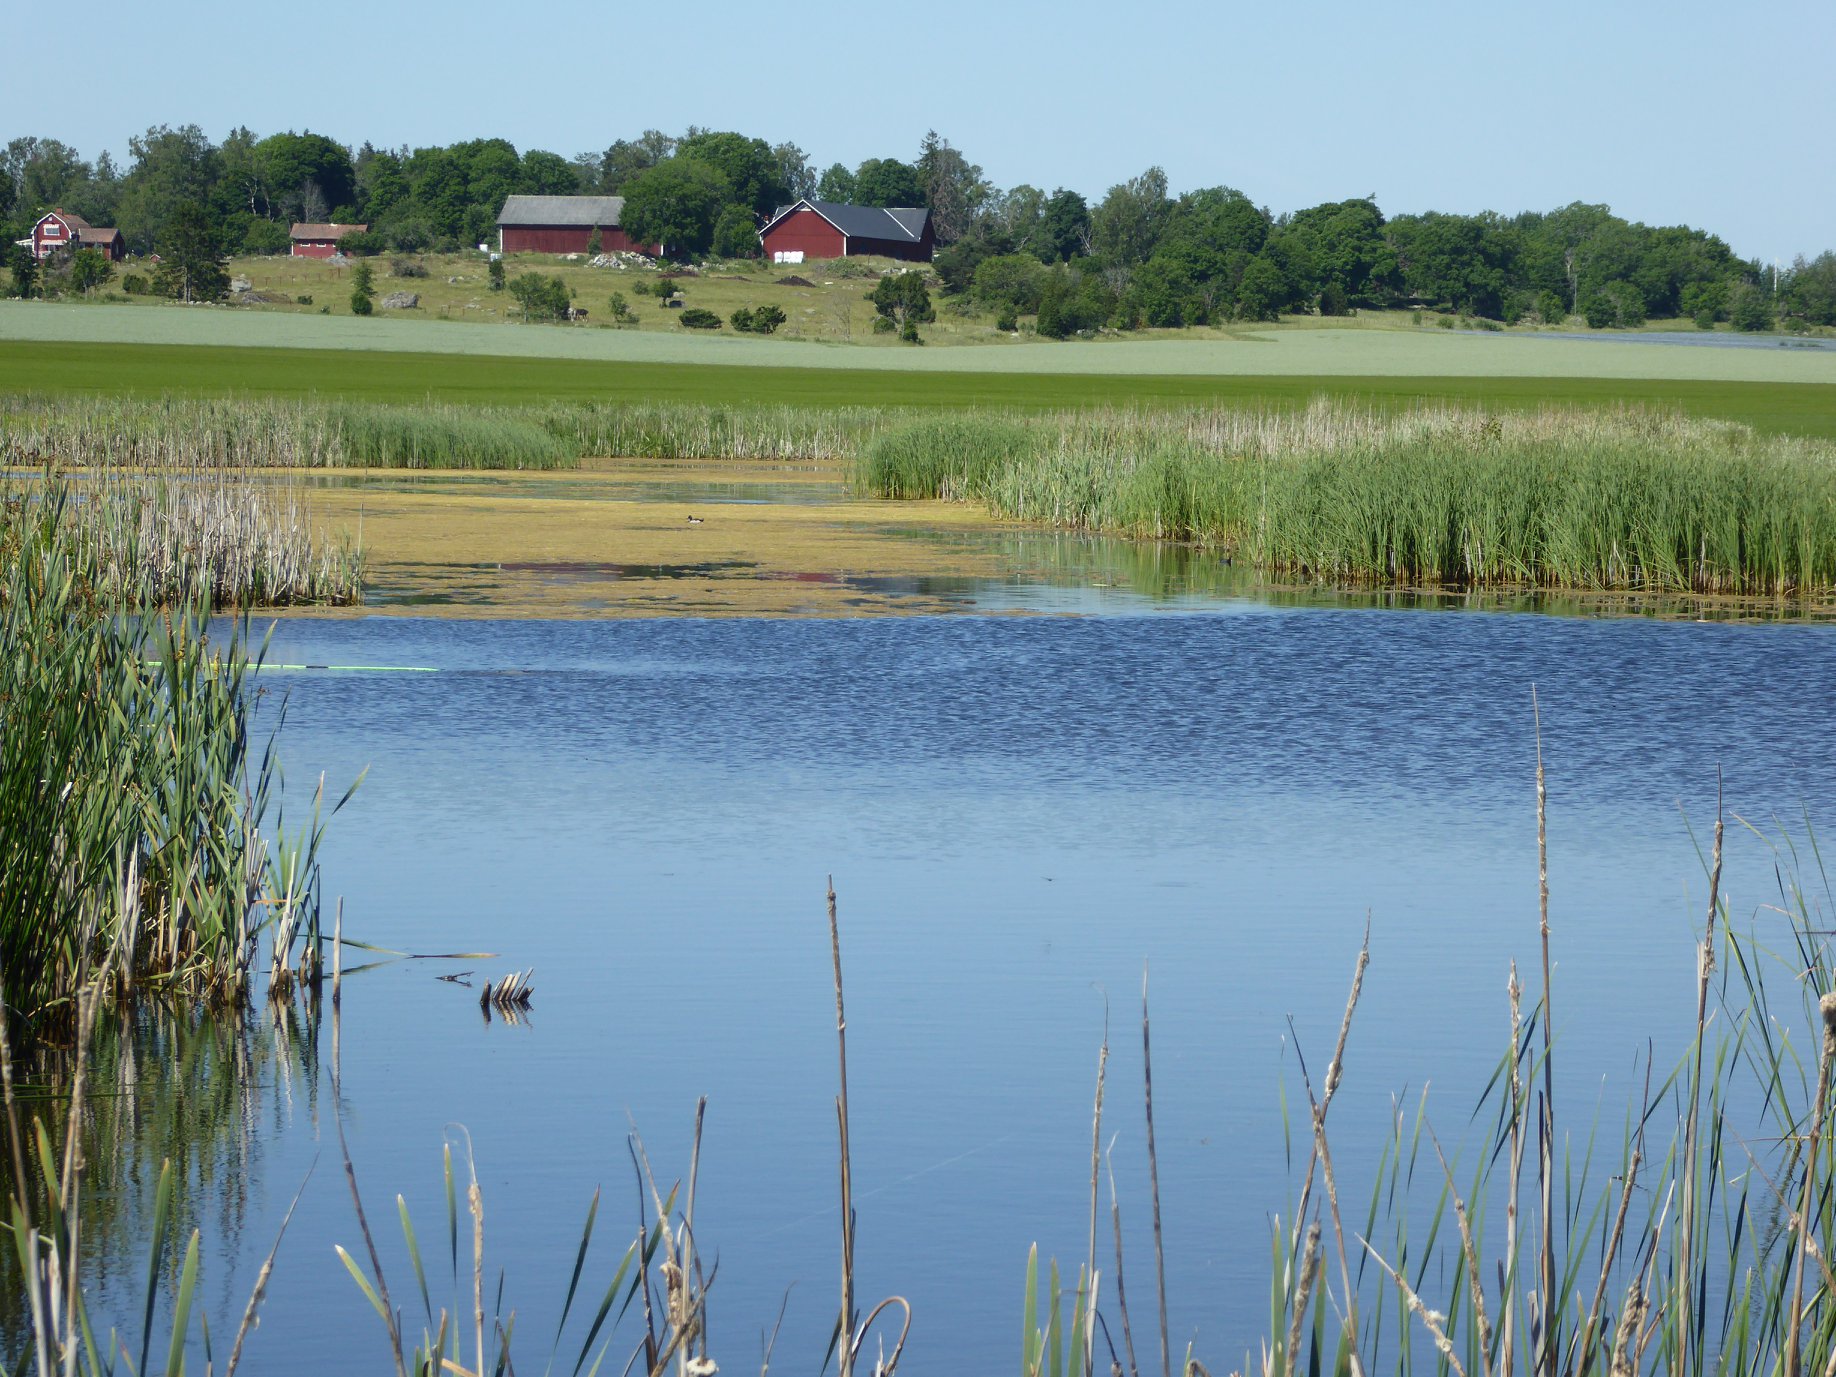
{"x": 1018, "y": 815}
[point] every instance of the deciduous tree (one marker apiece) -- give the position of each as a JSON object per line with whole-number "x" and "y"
{"x": 89, "y": 269}
{"x": 676, "y": 204}
{"x": 192, "y": 265}
{"x": 887, "y": 182}
{"x": 952, "y": 187}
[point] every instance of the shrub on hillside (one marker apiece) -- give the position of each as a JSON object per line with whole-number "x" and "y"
{"x": 406, "y": 267}
{"x": 757, "y": 320}
{"x": 542, "y": 298}
{"x": 699, "y": 318}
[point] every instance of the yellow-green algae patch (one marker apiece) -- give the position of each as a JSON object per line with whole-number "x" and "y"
{"x": 632, "y": 538}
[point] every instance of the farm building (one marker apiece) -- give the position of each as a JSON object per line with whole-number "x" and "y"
{"x": 320, "y": 241}
{"x": 829, "y": 229}
{"x": 565, "y": 224}
{"x": 61, "y": 230}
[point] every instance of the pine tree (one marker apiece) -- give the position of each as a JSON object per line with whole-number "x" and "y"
{"x": 362, "y": 284}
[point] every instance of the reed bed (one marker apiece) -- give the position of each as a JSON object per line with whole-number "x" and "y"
{"x": 165, "y": 537}
{"x": 196, "y": 433}
{"x": 135, "y": 838}
{"x": 687, "y": 430}
{"x": 1443, "y": 496}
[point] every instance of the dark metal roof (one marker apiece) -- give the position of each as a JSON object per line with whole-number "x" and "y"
{"x": 586, "y": 211}
{"x": 866, "y": 222}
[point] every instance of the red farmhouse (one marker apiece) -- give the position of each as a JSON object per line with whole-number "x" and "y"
{"x": 320, "y": 241}
{"x": 829, "y": 229}
{"x": 60, "y": 231}
{"x": 565, "y": 224}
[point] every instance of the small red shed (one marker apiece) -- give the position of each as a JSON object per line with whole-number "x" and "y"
{"x": 60, "y": 231}
{"x": 320, "y": 241}
{"x": 566, "y": 224}
{"x": 830, "y": 229}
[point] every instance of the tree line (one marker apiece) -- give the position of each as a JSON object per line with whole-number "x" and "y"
{"x": 1138, "y": 256}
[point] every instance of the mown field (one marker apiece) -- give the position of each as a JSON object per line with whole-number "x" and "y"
{"x": 151, "y": 370}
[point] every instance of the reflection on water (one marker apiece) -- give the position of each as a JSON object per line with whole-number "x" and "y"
{"x": 206, "y": 1093}
{"x": 1017, "y": 813}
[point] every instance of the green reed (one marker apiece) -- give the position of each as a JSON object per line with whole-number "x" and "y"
{"x": 133, "y": 804}
{"x": 1453, "y": 496}
{"x": 267, "y": 432}
{"x": 1696, "y": 1239}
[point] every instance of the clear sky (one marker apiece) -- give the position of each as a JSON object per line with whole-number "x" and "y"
{"x": 1681, "y": 112}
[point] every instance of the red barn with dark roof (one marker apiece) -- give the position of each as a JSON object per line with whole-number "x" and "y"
{"x": 565, "y": 224}
{"x": 830, "y": 229}
{"x": 60, "y": 231}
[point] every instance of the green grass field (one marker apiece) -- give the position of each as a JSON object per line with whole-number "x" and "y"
{"x": 1796, "y": 408}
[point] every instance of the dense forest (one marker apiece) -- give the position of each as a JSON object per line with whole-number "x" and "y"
{"x": 1138, "y": 256}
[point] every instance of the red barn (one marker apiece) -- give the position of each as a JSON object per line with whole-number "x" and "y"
{"x": 320, "y": 241}
{"x": 60, "y": 231}
{"x": 829, "y": 229}
{"x": 565, "y": 224}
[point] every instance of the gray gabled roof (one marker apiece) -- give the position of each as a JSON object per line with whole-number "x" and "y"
{"x": 603, "y": 211}
{"x": 866, "y": 222}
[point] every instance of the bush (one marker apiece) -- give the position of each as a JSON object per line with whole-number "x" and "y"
{"x": 134, "y": 284}
{"x": 1333, "y": 301}
{"x": 909, "y": 333}
{"x": 1551, "y": 309}
{"x": 621, "y": 309}
{"x": 495, "y": 272}
{"x": 406, "y": 267}
{"x": 1007, "y": 320}
{"x": 698, "y": 318}
{"x": 757, "y": 320}
{"x": 361, "y": 244}
{"x": 1750, "y": 308}
{"x": 542, "y": 298}
{"x": 883, "y": 325}
{"x": 266, "y": 237}
{"x": 1618, "y": 305}
{"x": 303, "y": 300}
{"x": 408, "y": 236}
{"x": 1016, "y": 280}
{"x": 903, "y": 299}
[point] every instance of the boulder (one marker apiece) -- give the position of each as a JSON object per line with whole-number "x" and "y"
{"x": 241, "y": 284}
{"x": 401, "y": 301}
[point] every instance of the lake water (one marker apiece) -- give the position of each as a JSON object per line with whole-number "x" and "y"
{"x": 1019, "y": 814}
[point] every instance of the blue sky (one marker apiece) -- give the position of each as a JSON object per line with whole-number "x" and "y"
{"x": 1678, "y": 112}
